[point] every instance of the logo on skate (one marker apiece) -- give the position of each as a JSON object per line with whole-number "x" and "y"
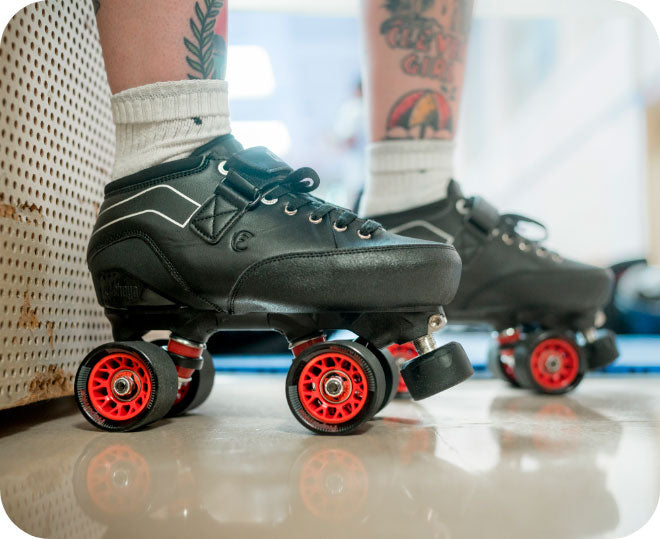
{"x": 239, "y": 240}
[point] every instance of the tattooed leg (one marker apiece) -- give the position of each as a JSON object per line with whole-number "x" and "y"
{"x": 162, "y": 40}
{"x": 165, "y": 61}
{"x": 415, "y": 61}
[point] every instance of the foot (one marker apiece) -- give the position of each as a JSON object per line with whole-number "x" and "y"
{"x": 546, "y": 307}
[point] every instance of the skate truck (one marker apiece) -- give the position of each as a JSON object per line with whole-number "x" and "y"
{"x": 231, "y": 239}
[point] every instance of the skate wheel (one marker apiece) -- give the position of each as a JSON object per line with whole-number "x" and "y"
{"x": 402, "y": 353}
{"x": 602, "y": 351}
{"x": 498, "y": 367}
{"x": 390, "y": 369}
{"x": 392, "y": 377}
{"x": 192, "y": 394}
{"x": 123, "y": 386}
{"x": 334, "y": 387}
{"x": 436, "y": 371}
{"x": 554, "y": 365}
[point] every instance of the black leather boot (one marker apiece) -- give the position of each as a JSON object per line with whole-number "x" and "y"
{"x": 544, "y": 307}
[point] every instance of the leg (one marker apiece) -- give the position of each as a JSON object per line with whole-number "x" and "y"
{"x": 538, "y": 301}
{"x": 165, "y": 60}
{"x": 162, "y": 40}
{"x": 415, "y": 62}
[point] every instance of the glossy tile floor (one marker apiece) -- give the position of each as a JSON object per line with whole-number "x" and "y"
{"x": 478, "y": 461}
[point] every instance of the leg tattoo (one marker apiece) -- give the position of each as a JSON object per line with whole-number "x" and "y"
{"x": 432, "y": 48}
{"x": 208, "y": 50}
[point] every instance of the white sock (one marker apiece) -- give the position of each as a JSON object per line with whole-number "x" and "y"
{"x": 403, "y": 174}
{"x": 166, "y": 121}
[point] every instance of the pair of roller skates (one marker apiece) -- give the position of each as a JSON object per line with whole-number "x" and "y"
{"x": 231, "y": 238}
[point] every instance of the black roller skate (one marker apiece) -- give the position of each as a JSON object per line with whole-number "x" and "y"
{"x": 544, "y": 307}
{"x": 231, "y": 239}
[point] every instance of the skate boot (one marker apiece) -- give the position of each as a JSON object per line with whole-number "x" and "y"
{"x": 544, "y": 308}
{"x": 232, "y": 239}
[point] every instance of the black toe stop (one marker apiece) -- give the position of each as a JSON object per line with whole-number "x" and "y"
{"x": 602, "y": 351}
{"x": 436, "y": 371}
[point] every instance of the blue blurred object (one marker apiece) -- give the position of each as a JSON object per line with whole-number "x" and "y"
{"x": 637, "y": 298}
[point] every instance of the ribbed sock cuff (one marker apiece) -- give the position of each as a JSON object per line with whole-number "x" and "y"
{"x": 165, "y": 121}
{"x": 403, "y": 174}
{"x": 175, "y": 100}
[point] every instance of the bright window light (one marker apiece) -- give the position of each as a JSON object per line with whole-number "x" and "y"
{"x": 249, "y": 72}
{"x": 274, "y": 135}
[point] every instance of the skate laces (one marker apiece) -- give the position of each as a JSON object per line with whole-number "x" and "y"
{"x": 507, "y": 226}
{"x": 510, "y": 222}
{"x": 294, "y": 190}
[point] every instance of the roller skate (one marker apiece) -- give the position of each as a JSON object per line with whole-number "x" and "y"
{"x": 544, "y": 308}
{"x": 231, "y": 238}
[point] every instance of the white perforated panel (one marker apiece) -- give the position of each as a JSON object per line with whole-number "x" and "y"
{"x": 56, "y": 152}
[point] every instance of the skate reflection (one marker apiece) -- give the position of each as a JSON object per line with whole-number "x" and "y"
{"x": 392, "y": 480}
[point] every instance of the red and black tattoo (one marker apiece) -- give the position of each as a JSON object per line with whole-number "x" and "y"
{"x": 432, "y": 52}
{"x": 418, "y": 111}
{"x": 432, "y": 49}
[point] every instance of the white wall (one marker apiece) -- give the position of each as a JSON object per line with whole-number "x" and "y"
{"x": 573, "y": 153}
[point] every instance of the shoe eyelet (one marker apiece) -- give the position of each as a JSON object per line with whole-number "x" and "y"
{"x": 507, "y": 239}
{"x": 221, "y": 168}
{"x": 315, "y": 221}
{"x": 556, "y": 258}
{"x": 269, "y": 201}
{"x": 364, "y": 236}
{"x": 541, "y": 252}
{"x": 460, "y": 206}
{"x": 337, "y": 228}
{"x": 523, "y": 246}
{"x": 290, "y": 212}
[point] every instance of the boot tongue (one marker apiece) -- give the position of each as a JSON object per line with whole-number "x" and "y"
{"x": 258, "y": 162}
{"x": 222, "y": 147}
{"x": 255, "y": 170}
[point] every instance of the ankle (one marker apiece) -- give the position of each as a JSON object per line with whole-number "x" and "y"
{"x": 403, "y": 174}
{"x": 166, "y": 121}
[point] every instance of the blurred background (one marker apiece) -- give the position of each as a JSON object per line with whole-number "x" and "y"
{"x": 553, "y": 120}
{"x": 560, "y": 118}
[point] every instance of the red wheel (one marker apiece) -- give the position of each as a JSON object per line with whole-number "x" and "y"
{"x": 507, "y": 368}
{"x": 181, "y": 394}
{"x": 402, "y": 353}
{"x": 119, "y": 386}
{"x": 192, "y": 394}
{"x": 125, "y": 386}
{"x": 332, "y": 387}
{"x": 335, "y": 387}
{"x": 555, "y": 364}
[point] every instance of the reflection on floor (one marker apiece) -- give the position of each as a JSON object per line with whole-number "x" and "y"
{"x": 481, "y": 460}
